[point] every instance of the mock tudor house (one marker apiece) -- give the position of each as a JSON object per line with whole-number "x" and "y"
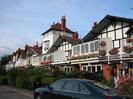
{"x": 33, "y": 55}
{"x": 57, "y": 45}
{"x": 22, "y": 58}
{"x": 108, "y": 47}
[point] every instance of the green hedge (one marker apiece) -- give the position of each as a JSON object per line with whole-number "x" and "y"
{"x": 48, "y": 80}
{"x": 3, "y": 80}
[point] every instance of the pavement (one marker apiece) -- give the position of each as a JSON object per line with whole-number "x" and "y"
{"x": 10, "y": 92}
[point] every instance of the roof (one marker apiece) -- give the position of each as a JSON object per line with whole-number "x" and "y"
{"x": 60, "y": 39}
{"x": 37, "y": 50}
{"x": 57, "y": 27}
{"x": 130, "y": 31}
{"x": 102, "y": 25}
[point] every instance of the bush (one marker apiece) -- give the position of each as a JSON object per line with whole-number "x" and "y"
{"x": 11, "y": 76}
{"x": 92, "y": 76}
{"x": 110, "y": 83}
{"x": 48, "y": 81}
{"x": 125, "y": 87}
{"x": 3, "y": 80}
{"x": 19, "y": 82}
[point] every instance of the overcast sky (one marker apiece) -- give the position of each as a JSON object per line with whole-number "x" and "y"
{"x": 23, "y": 21}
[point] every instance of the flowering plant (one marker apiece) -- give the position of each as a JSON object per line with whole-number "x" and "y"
{"x": 103, "y": 43}
{"x": 114, "y": 51}
{"x": 129, "y": 40}
{"x": 102, "y": 52}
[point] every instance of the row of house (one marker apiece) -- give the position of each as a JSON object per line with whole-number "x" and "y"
{"x": 108, "y": 47}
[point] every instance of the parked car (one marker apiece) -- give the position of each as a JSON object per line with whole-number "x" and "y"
{"x": 75, "y": 89}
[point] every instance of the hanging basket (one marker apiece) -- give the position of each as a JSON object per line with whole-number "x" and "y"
{"x": 102, "y": 43}
{"x": 114, "y": 51}
{"x": 129, "y": 40}
{"x": 127, "y": 49}
{"x": 102, "y": 52}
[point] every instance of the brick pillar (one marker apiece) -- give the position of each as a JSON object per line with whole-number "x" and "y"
{"x": 106, "y": 72}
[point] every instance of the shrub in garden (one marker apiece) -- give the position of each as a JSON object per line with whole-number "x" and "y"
{"x": 48, "y": 81}
{"x": 125, "y": 87}
{"x": 110, "y": 83}
{"x": 11, "y": 76}
{"x": 3, "y": 80}
{"x": 93, "y": 76}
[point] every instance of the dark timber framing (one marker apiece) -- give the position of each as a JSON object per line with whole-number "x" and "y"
{"x": 103, "y": 24}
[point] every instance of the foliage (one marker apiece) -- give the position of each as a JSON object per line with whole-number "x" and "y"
{"x": 93, "y": 76}
{"x": 48, "y": 81}
{"x": 3, "y": 80}
{"x": 11, "y": 75}
{"x": 114, "y": 51}
{"x": 125, "y": 87}
{"x": 103, "y": 43}
{"x": 4, "y": 60}
{"x": 102, "y": 52}
{"x": 110, "y": 83}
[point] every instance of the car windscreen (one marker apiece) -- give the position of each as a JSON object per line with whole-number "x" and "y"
{"x": 100, "y": 88}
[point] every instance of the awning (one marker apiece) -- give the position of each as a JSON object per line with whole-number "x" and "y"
{"x": 46, "y": 62}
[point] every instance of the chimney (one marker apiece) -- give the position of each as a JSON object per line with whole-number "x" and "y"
{"x": 94, "y": 24}
{"x": 63, "y": 23}
{"x": 36, "y": 46}
{"x": 75, "y": 35}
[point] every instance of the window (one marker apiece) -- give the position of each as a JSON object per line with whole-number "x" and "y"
{"x": 116, "y": 43}
{"x": 86, "y": 48}
{"x": 71, "y": 86}
{"x": 94, "y": 46}
{"x": 89, "y": 69}
{"x": 45, "y": 58}
{"x": 83, "y": 89}
{"x": 71, "y": 69}
{"x": 84, "y": 68}
{"x": 98, "y": 68}
{"x": 82, "y": 49}
{"x": 78, "y": 50}
{"x": 91, "y": 47}
{"x": 74, "y": 50}
{"x": 58, "y": 84}
{"x": 93, "y": 68}
{"x": 46, "y": 44}
{"x": 119, "y": 34}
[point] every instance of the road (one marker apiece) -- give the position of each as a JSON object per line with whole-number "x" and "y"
{"x": 7, "y": 92}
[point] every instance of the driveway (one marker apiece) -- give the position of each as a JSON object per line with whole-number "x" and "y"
{"x": 8, "y": 92}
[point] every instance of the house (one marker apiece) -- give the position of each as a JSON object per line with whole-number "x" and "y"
{"x": 51, "y": 35}
{"x": 33, "y": 55}
{"x": 23, "y": 58}
{"x": 57, "y": 45}
{"x": 110, "y": 43}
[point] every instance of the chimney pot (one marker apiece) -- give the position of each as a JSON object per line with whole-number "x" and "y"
{"x": 94, "y": 24}
{"x": 63, "y": 23}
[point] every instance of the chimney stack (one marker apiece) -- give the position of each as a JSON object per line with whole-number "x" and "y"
{"x": 94, "y": 24}
{"x": 75, "y": 35}
{"x": 63, "y": 23}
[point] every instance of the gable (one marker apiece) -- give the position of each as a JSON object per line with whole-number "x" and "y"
{"x": 108, "y": 24}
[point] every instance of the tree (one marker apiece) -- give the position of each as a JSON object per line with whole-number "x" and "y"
{"x": 4, "y": 60}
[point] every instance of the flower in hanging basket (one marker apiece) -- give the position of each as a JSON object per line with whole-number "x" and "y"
{"x": 129, "y": 40}
{"x": 132, "y": 48}
{"x": 103, "y": 43}
{"x": 127, "y": 49}
{"x": 102, "y": 52}
{"x": 114, "y": 51}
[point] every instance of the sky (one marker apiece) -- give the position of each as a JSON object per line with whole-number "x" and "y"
{"x": 23, "y": 21}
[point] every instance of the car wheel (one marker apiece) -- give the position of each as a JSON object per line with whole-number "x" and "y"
{"x": 38, "y": 97}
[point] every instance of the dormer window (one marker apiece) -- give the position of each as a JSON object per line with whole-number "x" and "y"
{"x": 46, "y": 45}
